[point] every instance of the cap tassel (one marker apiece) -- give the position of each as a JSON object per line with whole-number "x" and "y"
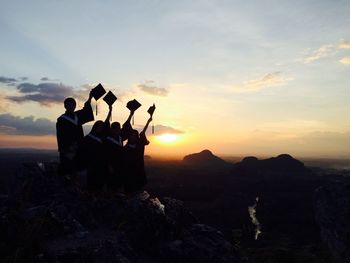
{"x": 96, "y": 108}
{"x": 133, "y": 121}
{"x": 110, "y": 117}
{"x": 152, "y": 127}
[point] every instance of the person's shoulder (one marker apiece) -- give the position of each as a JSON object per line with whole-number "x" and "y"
{"x": 60, "y": 118}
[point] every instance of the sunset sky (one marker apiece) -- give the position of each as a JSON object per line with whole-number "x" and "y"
{"x": 236, "y": 77}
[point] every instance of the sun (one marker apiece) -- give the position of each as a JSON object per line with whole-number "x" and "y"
{"x": 167, "y": 138}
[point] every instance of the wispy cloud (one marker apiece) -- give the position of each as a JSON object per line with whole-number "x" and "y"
{"x": 322, "y": 52}
{"x": 43, "y": 93}
{"x": 47, "y": 93}
{"x": 161, "y": 129}
{"x": 15, "y": 125}
{"x": 7, "y": 80}
{"x": 150, "y": 88}
{"x": 344, "y": 44}
{"x": 345, "y": 60}
{"x": 269, "y": 80}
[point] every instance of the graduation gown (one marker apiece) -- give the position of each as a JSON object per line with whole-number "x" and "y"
{"x": 69, "y": 133}
{"x": 133, "y": 165}
{"x": 91, "y": 157}
{"x": 113, "y": 149}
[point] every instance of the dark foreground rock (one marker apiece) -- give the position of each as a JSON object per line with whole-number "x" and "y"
{"x": 46, "y": 219}
{"x": 332, "y": 213}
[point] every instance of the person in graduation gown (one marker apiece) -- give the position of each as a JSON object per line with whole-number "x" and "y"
{"x": 92, "y": 158}
{"x": 69, "y": 133}
{"x": 133, "y": 160}
{"x": 114, "y": 151}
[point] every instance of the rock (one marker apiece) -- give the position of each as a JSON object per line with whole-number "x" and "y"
{"x": 48, "y": 219}
{"x": 200, "y": 244}
{"x": 332, "y": 213}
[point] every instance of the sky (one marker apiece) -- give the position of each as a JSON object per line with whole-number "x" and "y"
{"x": 236, "y": 77}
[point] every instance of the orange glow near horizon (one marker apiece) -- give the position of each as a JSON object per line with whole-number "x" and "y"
{"x": 167, "y": 138}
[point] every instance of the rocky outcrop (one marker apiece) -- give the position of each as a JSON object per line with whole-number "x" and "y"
{"x": 47, "y": 219}
{"x": 283, "y": 163}
{"x": 332, "y": 213}
{"x": 205, "y": 158}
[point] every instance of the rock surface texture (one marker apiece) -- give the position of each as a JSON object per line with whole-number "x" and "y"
{"x": 332, "y": 212}
{"x": 47, "y": 219}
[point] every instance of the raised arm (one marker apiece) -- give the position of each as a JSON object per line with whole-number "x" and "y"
{"x": 89, "y": 99}
{"x": 130, "y": 116}
{"x": 126, "y": 129}
{"x": 146, "y": 126}
{"x": 85, "y": 114}
{"x": 109, "y": 114}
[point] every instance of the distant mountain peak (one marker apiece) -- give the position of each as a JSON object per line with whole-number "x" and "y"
{"x": 204, "y": 158}
{"x": 283, "y": 162}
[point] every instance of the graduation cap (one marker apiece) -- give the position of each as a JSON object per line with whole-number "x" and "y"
{"x": 110, "y": 98}
{"x": 151, "y": 111}
{"x": 133, "y": 105}
{"x": 97, "y": 93}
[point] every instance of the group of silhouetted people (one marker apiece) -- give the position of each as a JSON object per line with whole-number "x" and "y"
{"x": 110, "y": 164}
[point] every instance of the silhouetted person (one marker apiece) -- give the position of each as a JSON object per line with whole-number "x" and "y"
{"x": 133, "y": 160}
{"x": 92, "y": 158}
{"x": 69, "y": 133}
{"x": 114, "y": 151}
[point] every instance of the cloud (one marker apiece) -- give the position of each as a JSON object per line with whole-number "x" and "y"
{"x": 322, "y": 52}
{"x": 269, "y": 80}
{"x": 345, "y": 60}
{"x": 344, "y": 44}
{"x": 47, "y": 79}
{"x": 43, "y": 93}
{"x": 161, "y": 129}
{"x": 7, "y": 80}
{"x": 151, "y": 89}
{"x": 15, "y": 125}
{"x": 47, "y": 93}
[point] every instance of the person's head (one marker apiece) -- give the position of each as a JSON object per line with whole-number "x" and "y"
{"x": 98, "y": 128}
{"x": 133, "y": 137}
{"x": 114, "y": 130}
{"x": 70, "y": 104}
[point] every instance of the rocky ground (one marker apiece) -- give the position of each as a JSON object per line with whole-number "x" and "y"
{"x": 47, "y": 219}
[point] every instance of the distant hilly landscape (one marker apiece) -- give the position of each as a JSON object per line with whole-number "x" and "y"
{"x": 219, "y": 192}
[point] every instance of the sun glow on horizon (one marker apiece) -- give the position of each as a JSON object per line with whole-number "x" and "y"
{"x": 167, "y": 138}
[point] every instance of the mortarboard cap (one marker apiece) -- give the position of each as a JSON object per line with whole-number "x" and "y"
{"x": 151, "y": 109}
{"x": 110, "y": 98}
{"x": 98, "y": 91}
{"x": 133, "y": 105}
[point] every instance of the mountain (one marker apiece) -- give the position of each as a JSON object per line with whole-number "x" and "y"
{"x": 283, "y": 164}
{"x": 204, "y": 158}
